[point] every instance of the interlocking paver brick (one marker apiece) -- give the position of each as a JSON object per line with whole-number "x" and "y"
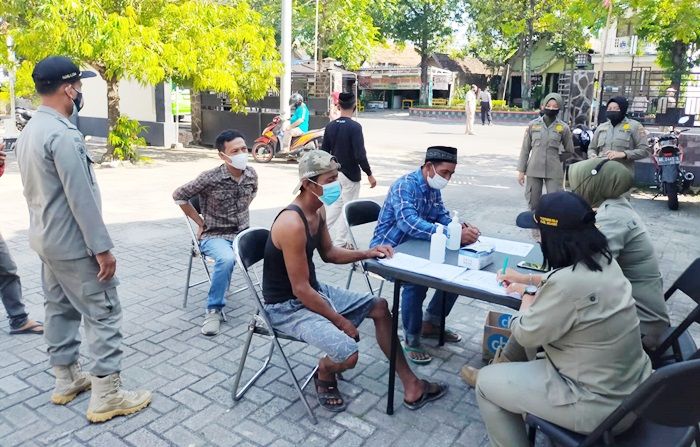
{"x": 145, "y": 438}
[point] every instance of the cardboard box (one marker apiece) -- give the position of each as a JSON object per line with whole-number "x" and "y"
{"x": 475, "y": 260}
{"x": 496, "y": 333}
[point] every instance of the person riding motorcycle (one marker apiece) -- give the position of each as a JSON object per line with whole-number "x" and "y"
{"x": 298, "y": 123}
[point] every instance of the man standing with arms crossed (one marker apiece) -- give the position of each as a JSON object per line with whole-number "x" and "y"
{"x": 343, "y": 139}
{"x": 67, "y": 231}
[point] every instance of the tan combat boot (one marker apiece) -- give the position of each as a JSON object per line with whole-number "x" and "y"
{"x": 469, "y": 374}
{"x": 70, "y": 381}
{"x": 108, "y": 399}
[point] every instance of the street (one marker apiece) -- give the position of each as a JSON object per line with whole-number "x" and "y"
{"x": 191, "y": 375}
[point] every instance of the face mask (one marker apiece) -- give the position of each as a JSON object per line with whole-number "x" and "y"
{"x": 331, "y": 192}
{"x": 614, "y": 116}
{"x": 551, "y": 113}
{"x": 78, "y": 100}
{"x": 437, "y": 181}
{"x": 239, "y": 161}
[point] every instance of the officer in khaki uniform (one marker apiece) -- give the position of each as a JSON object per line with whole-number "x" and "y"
{"x": 67, "y": 231}
{"x": 627, "y": 237}
{"x": 619, "y": 138}
{"x": 586, "y": 322}
{"x": 546, "y": 139}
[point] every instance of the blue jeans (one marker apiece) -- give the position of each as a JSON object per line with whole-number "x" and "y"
{"x": 221, "y": 251}
{"x": 412, "y": 310}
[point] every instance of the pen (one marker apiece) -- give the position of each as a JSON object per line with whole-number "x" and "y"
{"x": 505, "y": 266}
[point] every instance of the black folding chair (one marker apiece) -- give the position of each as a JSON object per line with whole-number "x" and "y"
{"x": 250, "y": 249}
{"x": 195, "y": 252}
{"x": 676, "y": 344}
{"x": 666, "y": 407}
{"x": 356, "y": 213}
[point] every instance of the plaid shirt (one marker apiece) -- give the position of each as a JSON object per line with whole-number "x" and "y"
{"x": 411, "y": 209}
{"x": 223, "y": 201}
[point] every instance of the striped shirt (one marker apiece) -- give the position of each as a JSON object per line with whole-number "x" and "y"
{"x": 411, "y": 210}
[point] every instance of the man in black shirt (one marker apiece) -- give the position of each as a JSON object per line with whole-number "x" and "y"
{"x": 344, "y": 140}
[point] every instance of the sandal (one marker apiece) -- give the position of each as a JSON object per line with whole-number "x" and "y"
{"x": 432, "y": 391}
{"x": 331, "y": 394}
{"x": 36, "y": 328}
{"x": 450, "y": 336}
{"x": 407, "y": 350}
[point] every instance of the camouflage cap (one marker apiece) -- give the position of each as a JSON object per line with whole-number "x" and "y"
{"x": 314, "y": 163}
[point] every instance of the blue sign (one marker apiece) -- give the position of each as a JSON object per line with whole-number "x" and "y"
{"x": 495, "y": 341}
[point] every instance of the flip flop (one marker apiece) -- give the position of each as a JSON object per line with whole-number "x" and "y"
{"x": 332, "y": 393}
{"x": 450, "y": 336}
{"x": 30, "y": 330}
{"x": 427, "y": 396}
{"x": 420, "y": 350}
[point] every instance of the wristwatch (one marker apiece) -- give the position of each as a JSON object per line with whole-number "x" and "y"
{"x": 530, "y": 290}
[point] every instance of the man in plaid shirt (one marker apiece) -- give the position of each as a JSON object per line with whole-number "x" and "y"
{"x": 412, "y": 209}
{"x": 224, "y": 193}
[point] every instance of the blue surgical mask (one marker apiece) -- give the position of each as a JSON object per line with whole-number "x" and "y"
{"x": 331, "y": 192}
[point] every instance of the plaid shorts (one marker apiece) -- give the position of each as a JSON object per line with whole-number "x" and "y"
{"x": 292, "y": 318}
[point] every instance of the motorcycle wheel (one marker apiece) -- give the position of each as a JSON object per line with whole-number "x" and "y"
{"x": 262, "y": 153}
{"x": 671, "y": 190}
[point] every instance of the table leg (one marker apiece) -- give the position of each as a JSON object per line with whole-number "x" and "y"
{"x": 441, "y": 340}
{"x": 394, "y": 347}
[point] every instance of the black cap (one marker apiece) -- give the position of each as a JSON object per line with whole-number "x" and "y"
{"x": 57, "y": 70}
{"x": 441, "y": 153}
{"x": 561, "y": 210}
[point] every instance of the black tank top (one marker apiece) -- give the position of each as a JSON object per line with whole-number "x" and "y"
{"x": 276, "y": 285}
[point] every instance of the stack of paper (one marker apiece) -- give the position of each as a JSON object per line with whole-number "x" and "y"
{"x": 479, "y": 279}
{"x": 423, "y": 266}
{"x": 503, "y": 246}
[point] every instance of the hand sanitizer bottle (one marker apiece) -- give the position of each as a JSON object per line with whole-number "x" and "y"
{"x": 437, "y": 245}
{"x": 454, "y": 232}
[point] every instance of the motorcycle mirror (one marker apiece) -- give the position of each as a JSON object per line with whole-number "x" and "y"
{"x": 684, "y": 119}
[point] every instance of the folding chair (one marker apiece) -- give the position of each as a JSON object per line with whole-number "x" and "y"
{"x": 356, "y": 213}
{"x": 667, "y": 410}
{"x": 195, "y": 252}
{"x": 676, "y": 343}
{"x": 250, "y": 249}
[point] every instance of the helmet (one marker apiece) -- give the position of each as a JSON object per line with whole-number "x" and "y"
{"x": 296, "y": 98}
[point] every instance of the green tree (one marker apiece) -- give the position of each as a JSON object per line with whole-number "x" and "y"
{"x": 221, "y": 47}
{"x": 675, "y": 27}
{"x": 427, "y": 24}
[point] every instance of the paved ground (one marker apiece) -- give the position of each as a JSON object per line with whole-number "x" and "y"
{"x": 191, "y": 374}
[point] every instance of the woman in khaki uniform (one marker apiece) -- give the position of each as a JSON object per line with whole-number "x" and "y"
{"x": 584, "y": 317}
{"x": 546, "y": 139}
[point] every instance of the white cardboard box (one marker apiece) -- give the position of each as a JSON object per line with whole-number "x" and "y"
{"x": 475, "y": 260}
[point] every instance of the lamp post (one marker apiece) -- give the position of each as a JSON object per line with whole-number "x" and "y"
{"x": 11, "y": 123}
{"x": 286, "y": 78}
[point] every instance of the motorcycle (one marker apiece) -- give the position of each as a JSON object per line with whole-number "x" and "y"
{"x": 667, "y": 156}
{"x": 22, "y": 117}
{"x": 269, "y": 145}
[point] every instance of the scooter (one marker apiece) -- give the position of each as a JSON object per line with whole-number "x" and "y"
{"x": 22, "y": 117}
{"x": 269, "y": 145}
{"x": 671, "y": 178}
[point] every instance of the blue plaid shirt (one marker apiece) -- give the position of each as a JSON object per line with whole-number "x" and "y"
{"x": 411, "y": 210}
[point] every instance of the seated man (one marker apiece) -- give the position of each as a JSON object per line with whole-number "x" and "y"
{"x": 225, "y": 193}
{"x": 324, "y": 316}
{"x": 411, "y": 210}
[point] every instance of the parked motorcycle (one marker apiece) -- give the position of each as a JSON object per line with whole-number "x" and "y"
{"x": 269, "y": 145}
{"x": 22, "y": 117}
{"x": 667, "y": 156}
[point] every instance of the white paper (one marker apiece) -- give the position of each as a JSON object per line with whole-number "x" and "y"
{"x": 480, "y": 246}
{"x": 423, "y": 266}
{"x": 505, "y": 246}
{"x": 479, "y": 279}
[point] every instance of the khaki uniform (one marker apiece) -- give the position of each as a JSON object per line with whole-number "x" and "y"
{"x": 66, "y": 230}
{"x": 540, "y": 157}
{"x": 631, "y": 245}
{"x": 629, "y": 136}
{"x": 588, "y": 326}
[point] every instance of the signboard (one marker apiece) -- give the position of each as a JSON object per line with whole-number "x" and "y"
{"x": 386, "y": 82}
{"x": 442, "y": 81}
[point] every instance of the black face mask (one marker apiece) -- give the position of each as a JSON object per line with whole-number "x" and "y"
{"x": 78, "y": 100}
{"x": 614, "y": 116}
{"x": 541, "y": 112}
{"x": 551, "y": 113}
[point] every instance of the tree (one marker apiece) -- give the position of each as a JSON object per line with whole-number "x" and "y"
{"x": 675, "y": 27}
{"x": 226, "y": 48}
{"x": 425, "y": 23}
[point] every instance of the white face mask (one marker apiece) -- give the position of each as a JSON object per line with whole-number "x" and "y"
{"x": 437, "y": 181}
{"x": 239, "y": 161}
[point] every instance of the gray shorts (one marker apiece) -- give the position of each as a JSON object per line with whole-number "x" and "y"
{"x": 292, "y": 318}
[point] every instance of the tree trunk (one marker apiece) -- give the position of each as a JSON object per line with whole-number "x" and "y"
{"x": 527, "y": 60}
{"x": 112, "y": 112}
{"x": 196, "y": 107}
{"x": 681, "y": 66}
{"x": 424, "y": 82}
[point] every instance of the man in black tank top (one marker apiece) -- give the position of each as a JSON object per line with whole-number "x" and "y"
{"x": 324, "y": 316}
